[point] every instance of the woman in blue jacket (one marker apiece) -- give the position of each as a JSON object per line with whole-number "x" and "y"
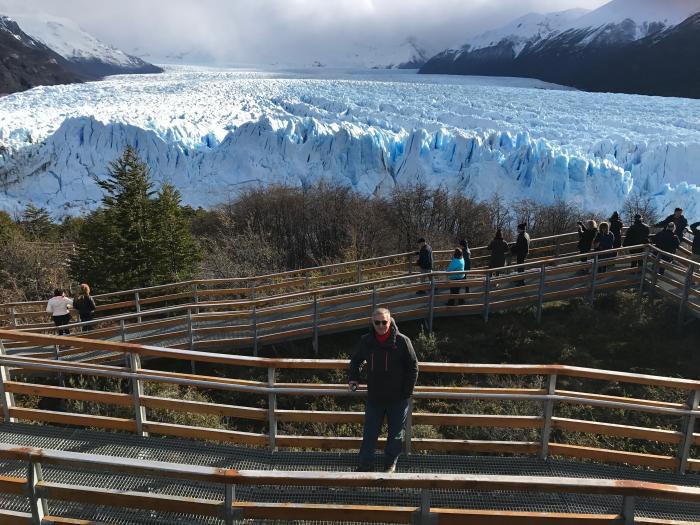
{"x": 456, "y": 265}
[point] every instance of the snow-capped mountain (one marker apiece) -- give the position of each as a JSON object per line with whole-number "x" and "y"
{"x": 88, "y": 55}
{"x": 585, "y": 50}
{"x": 26, "y": 62}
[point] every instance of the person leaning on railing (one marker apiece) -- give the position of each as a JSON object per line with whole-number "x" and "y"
{"x": 668, "y": 241}
{"x": 392, "y": 370}
{"x": 456, "y": 265}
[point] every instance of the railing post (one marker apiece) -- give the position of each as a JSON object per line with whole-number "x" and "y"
{"x": 137, "y": 301}
{"x": 688, "y": 431}
{"x": 195, "y": 296}
{"x": 255, "y": 331}
{"x": 408, "y": 434}
{"x": 252, "y": 290}
{"x": 13, "y": 317}
{"x": 557, "y": 248}
{"x": 548, "y": 411}
{"x": 423, "y": 516}
{"x": 314, "y": 341}
{"x": 8, "y": 398}
{"x": 594, "y": 272}
{"x": 306, "y": 281}
{"x": 487, "y": 291}
{"x": 655, "y": 276}
{"x": 431, "y": 304}
{"x": 39, "y": 505}
{"x": 374, "y": 299}
{"x": 628, "y": 510}
{"x": 359, "y": 272}
{"x": 229, "y": 495}
{"x": 645, "y": 259}
{"x": 540, "y": 293}
{"x": 122, "y": 330}
{"x": 409, "y": 264}
{"x": 271, "y": 408}
{"x": 190, "y": 338}
{"x": 136, "y": 393}
{"x": 684, "y": 297}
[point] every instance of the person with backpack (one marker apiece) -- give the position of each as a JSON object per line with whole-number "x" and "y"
{"x": 467, "y": 256}
{"x": 392, "y": 369}
{"x": 498, "y": 248}
{"x": 678, "y": 220}
{"x": 85, "y": 305}
{"x": 425, "y": 260}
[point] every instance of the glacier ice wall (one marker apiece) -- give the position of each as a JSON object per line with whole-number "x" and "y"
{"x": 211, "y": 133}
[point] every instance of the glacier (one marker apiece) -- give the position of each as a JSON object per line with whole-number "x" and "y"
{"x": 212, "y": 132}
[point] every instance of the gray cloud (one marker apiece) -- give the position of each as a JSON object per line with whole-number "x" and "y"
{"x": 286, "y": 31}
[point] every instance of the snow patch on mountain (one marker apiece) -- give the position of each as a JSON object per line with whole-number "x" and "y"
{"x": 212, "y": 132}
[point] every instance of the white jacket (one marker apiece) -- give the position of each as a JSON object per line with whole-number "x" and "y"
{"x": 59, "y": 305}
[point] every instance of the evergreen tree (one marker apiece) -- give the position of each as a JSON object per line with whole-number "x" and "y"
{"x": 135, "y": 239}
{"x": 37, "y": 224}
{"x": 175, "y": 249}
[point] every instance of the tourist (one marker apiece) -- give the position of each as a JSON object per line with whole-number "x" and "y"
{"x": 680, "y": 222}
{"x": 456, "y": 265}
{"x": 586, "y": 235}
{"x": 425, "y": 260}
{"x": 616, "y": 226}
{"x": 668, "y": 241}
{"x": 605, "y": 240}
{"x": 467, "y": 256}
{"x": 637, "y": 234}
{"x": 695, "y": 228}
{"x": 521, "y": 248}
{"x": 59, "y": 306}
{"x": 85, "y": 305}
{"x": 392, "y": 370}
{"x": 498, "y": 248}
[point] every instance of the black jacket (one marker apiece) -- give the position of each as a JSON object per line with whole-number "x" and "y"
{"x": 695, "y": 228}
{"x": 498, "y": 248}
{"x": 585, "y": 239}
{"x": 616, "y": 229}
{"x": 425, "y": 257}
{"x": 521, "y": 247}
{"x": 667, "y": 241}
{"x": 681, "y": 224}
{"x": 391, "y": 368}
{"x": 638, "y": 233}
{"x": 85, "y": 304}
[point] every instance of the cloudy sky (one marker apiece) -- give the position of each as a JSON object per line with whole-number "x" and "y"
{"x": 286, "y": 31}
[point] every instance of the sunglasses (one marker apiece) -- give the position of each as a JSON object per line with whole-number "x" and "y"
{"x": 383, "y": 323}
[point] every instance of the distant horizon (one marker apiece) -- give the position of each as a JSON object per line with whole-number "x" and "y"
{"x": 292, "y": 34}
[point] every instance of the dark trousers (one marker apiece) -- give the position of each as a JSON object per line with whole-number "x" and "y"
{"x": 62, "y": 320}
{"x": 84, "y": 317}
{"x": 396, "y": 414}
{"x": 453, "y": 291}
{"x": 521, "y": 260}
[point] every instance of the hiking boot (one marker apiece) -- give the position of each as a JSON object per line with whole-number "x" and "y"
{"x": 364, "y": 468}
{"x": 390, "y": 467}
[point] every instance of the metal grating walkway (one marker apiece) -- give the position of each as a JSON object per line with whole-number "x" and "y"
{"x": 228, "y": 456}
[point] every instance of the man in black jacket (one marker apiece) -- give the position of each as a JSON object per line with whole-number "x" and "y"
{"x": 678, "y": 219}
{"x": 695, "y": 228}
{"x": 521, "y": 248}
{"x": 667, "y": 240}
{"x": 637, "y": 234}
{"x": 425, "y": 260}
{"x": 392, "y": 370}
